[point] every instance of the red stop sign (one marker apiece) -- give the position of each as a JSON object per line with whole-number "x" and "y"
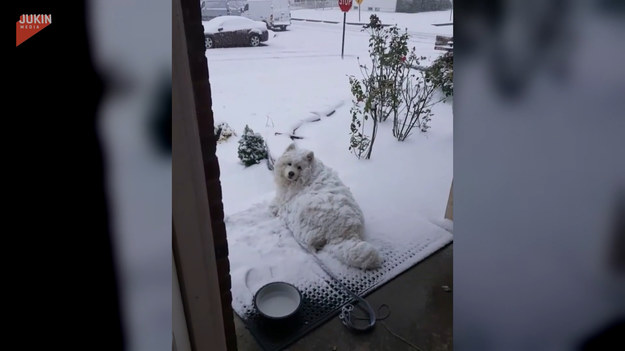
{"x": 345, "y": 5}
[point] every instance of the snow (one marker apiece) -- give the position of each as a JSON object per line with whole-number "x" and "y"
{"x": 418, "y": 24}
{"x": 232, "y": 23}
{"x": 296, "y": 77}
{"x": 262, "y": 250}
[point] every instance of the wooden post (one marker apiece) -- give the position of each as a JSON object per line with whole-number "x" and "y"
{"x": 199, "y": 243}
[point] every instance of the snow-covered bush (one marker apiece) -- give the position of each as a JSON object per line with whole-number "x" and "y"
{"x": 441, "y": 73}
{"x": 381, "y": 81}
{"x": 363, "y": 110}
{"x": 416, "y": 92}
{"x": 252, "y": 148}
{"x": 415, "y": 110}
{"x": 377, "y": 94}
{"x": 394, "y": 85}
{"x": 223, "y": 132}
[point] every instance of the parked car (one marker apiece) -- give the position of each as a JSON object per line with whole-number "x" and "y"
{"x": 234, "y": 31}
{"x": 276, "y": 13}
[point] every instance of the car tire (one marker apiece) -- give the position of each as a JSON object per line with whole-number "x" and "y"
{"x": 209, "y": 43}
{"x": 254, "y": 40}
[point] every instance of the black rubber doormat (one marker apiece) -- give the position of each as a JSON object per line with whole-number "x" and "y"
{"x": 319, "y": 304}
{"x": 324, "y": 300}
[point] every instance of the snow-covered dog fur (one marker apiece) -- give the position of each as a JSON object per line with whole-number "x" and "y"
{"x": 320, "y": 210}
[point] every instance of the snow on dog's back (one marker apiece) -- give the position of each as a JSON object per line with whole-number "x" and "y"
{"x": 320, "y": 210}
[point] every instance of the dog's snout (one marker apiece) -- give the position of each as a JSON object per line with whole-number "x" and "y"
{"x": 291, "y": 174}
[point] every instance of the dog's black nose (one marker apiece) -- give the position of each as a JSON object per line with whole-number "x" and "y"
{"x": 291, "y": 174}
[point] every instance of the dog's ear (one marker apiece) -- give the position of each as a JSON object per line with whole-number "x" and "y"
{"x": 310, "y": 155}
{"x": 291, "y": 147}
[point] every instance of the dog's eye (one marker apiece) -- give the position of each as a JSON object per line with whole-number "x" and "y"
{"x": 299, "y": 167}
{"x": 288, "y": 164}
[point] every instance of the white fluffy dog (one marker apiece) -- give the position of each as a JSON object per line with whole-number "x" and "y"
{"x": 320, "y": 210}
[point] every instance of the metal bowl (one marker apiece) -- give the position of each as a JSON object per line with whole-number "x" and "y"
{"x": 278, "y": 300}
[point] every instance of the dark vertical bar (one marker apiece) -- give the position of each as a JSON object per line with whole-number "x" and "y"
{"x": 200, "y": 77}
{"x": 343, "y": 44}
{"x": 61, "y": 175}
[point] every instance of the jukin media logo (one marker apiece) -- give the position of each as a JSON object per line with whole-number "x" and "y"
{"x": 29, "y": 25}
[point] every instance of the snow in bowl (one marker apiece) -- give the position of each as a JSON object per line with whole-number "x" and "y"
{"x": 277, "y": 300}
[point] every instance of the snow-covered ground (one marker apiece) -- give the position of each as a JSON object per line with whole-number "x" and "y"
{"x": 299, "y": 75}
{"x": 272, "y": 87}
{"x": 417, "y": 23}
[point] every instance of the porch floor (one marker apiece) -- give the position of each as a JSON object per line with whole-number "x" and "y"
{"x": 421, "y": 313}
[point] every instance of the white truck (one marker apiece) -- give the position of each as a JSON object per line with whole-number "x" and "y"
{"x": 276, "y": 13}
{"x": 216, "y": 8}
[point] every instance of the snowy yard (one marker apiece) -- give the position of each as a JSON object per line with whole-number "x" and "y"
{"x": 300, "y": 71}
{"x": 299, "y": 75}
